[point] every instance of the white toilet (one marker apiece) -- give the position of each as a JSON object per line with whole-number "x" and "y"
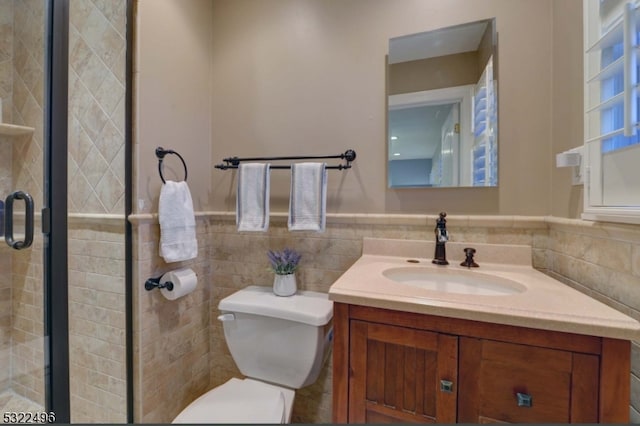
{"x": 279, "y": 344}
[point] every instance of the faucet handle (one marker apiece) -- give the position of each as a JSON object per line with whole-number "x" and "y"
{"x": 469, "y": 262}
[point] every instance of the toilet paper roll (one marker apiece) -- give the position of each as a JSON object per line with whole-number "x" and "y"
{"x": 184, "y": 282}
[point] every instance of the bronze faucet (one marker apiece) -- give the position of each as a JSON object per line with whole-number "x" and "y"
{"x": 468, "y": 261}
{"x": 440, "y": 257}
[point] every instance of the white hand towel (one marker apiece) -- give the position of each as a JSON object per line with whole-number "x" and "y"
{"x": 252, "y": 200}
{"x": 308, "y": 199}
{"x": 177, "y": 222}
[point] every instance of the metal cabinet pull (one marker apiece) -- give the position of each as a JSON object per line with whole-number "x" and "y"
{"x": 446, "y": 386}
{"x": 8, "y": 220}
{"x": 524, "y": 400}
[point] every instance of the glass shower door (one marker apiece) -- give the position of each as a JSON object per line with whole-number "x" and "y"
{"x": 63, "y": 349}
{"x": 22, "y": 138}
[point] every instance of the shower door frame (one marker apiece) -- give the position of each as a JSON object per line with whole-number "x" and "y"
{"x": 54, "y": 213}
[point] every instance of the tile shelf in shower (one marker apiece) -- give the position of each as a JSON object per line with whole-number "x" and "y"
{"x": 14, "y": 130}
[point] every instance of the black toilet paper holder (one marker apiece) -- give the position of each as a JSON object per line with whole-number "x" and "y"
{"x": 152, "y": 283}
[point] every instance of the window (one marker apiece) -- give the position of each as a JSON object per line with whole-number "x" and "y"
{"x": 485, "y": 128}
{"x": 612, "y": 105}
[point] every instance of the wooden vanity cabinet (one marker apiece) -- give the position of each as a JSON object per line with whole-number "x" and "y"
{"x": 399, "y": 367}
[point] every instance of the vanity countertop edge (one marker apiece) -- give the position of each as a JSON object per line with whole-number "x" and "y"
{"x": 547, "y": 304}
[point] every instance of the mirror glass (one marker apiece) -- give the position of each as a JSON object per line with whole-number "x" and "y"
{"x": 443, "y": 107}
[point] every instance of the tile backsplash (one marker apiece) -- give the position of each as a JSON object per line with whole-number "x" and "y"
{"x": 603, "y": 261}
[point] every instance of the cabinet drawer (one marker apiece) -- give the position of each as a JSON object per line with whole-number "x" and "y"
{"x": 519, "y": 383}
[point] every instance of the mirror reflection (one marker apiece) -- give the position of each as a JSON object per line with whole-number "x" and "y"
{"x": 442, "y": 107}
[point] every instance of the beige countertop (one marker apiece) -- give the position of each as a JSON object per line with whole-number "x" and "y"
{"x": 543, "y": 303}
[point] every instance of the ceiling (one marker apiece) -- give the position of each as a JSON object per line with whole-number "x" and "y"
{"x": 441, "y": 42}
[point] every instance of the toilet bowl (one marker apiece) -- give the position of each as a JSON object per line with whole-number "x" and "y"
{"x": 240, "y": 401}
{"x": 279, "y": 344}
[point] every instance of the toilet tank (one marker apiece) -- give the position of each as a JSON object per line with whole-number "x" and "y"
{"x": 281, "y": 340}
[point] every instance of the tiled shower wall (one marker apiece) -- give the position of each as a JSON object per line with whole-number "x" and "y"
{"x": 6, "y": 77}
{"x": 97, "y": 54}
{"x": 96, "y": 196}
{"x": 6, "y": 58}
{"x": 97, "y": 320}
{"x": 6, "y": 92}
{"x": 21, "y": 87}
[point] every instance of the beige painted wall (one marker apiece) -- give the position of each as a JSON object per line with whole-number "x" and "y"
{"x": 308, "y": 76}
{"x": 172, "y": 78}
{"x": 567, "y": 103}
{"x": 252, "y": 78}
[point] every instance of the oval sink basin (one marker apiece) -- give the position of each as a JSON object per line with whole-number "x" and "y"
{"x": 456, "y": 281}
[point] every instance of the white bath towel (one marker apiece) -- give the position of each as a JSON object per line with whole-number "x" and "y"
{"x": 177, "y": 223}
{"x": 308, "y": 199}
{"x": 252, "y": 200}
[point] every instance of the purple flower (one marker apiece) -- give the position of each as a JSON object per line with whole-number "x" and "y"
{"x": 284, "y": 262}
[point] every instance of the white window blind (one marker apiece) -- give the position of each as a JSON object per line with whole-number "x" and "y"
{"x": 484, "y": 159}
{"x": 612, "y": 145}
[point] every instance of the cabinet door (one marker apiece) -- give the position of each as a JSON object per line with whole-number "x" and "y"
{"x": 399, "y": 374}
{"x": 505, "y": 382}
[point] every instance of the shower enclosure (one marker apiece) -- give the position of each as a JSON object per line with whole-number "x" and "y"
{"x": 63, "y": 148}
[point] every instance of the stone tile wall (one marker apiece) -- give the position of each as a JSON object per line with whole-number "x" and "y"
{"x": 171, "y": 338}
{"x": 96, "y": 320}
{"x": 27, "y": 322}
{"x": 6, "y": 148}
{"x": 603, "y": 261}
{"x": 5, "y": 319}
{"x": 97, "y": 328}
{"x": 26, "y": 108}
{"x": 5, "y": 268}
{"x": 6, "y": 59}
{"x": 97, "y": 55}
{"x": 96, "y": 176}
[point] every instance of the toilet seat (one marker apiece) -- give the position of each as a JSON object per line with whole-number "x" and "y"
{"x": 240, "y": 401}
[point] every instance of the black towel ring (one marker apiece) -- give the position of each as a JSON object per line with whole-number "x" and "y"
{"x": 160, "y": 153}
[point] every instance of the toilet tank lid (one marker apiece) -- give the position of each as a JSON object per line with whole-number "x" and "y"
{"x": 308, "y": 307}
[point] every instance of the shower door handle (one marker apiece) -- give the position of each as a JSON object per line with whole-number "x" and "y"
{"x": 8, "y": 220}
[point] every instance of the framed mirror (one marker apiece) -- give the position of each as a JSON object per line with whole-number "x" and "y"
{"x": 443, "y": 107}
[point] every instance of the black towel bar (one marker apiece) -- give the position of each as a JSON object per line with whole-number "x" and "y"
{"x": 160, "y": 153}
{"x": 233, "y": 162}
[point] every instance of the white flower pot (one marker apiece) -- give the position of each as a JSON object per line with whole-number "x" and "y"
{"x": 284, "y": 285}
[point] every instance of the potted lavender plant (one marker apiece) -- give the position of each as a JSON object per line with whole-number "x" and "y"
{"x": 284, "y": 264}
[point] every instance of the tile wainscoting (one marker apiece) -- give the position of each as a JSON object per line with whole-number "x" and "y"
{"x": 97, "y": 323}
{"x": 180, "y": 350}
{"x": 603, "y": 261}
